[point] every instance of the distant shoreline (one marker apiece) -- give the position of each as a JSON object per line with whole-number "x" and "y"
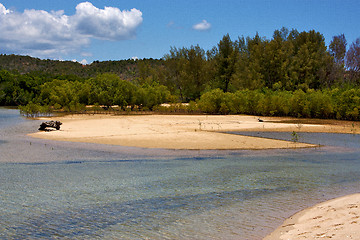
{"x": 191, "y": 132}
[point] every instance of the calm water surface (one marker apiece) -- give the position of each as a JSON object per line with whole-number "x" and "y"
{"x": 59, "y": 190}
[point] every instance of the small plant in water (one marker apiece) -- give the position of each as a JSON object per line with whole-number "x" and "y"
{"x": 294, "y": 137}
{"x": 353, "y": 129}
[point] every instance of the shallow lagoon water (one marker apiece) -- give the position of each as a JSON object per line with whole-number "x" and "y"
{"x": 52, "y": 190}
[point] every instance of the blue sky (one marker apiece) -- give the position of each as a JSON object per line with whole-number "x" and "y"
{"x": 118, "y": 29}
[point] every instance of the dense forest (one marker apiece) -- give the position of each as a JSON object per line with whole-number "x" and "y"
{"x": 292, "y": 74}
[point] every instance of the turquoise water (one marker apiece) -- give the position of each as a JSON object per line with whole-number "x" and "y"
{"x": 59, "y": 190}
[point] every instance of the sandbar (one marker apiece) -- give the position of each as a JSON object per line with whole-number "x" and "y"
{"x": 335, "y": 219}
{"x": 178, "y": 131}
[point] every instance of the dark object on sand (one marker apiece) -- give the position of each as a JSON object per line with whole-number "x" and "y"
{"x": 260, "y": 120}
{"x": 52, "y": 124}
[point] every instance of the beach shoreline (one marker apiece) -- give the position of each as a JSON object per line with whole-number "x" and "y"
{"x": 190, "y": 132}
{"x": 337, "y": 218}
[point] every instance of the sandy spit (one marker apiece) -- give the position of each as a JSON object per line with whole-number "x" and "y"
{"x": 175, "y": 131}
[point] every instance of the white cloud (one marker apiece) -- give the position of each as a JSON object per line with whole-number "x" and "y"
{"x": 109, "y": 23}
{"x": 3, "y": 10}
{"x": 52, "y": 34}
{"x": 202, "y": 26}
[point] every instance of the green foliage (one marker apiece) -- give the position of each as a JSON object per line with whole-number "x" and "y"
{"x": 225, "y": 60}
{"x": 291, "y": 74}
{"x": 212, "y": 101}
{"x": 342, "y": 104}
{"x": 150, "y": 96}
{"x": 187, "y": 72}
{"x": 294, "y": 137}
{"x": 347, "y": 104}
{"x": 34, "y": 110}
{"x": 109, "y": 89}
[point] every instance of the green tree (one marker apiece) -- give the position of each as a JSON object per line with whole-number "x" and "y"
{"x": 194, "y": 72}
{"x": 149, "y": 96}
{"x": 224, "y": 58}
{"x": 108, "y": 89}
{"x": 277, "y": 61}
{"x": 310, "y": 61}
{"x": 174, "y": 62}
{"x": 249, "y": 68}
{"x": 187, "y": 71}
{"x": 211, "y": 102}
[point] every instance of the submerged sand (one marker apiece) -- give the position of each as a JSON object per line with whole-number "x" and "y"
{"x": 173, "y": 131}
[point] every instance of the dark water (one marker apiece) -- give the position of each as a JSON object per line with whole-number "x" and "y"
{"x": 59, "y": 190}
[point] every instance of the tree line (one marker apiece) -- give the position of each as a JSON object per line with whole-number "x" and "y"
{"x": 289, "y": 61}
{"x": 292, "y": 74}
{"x": 327, "y": 103}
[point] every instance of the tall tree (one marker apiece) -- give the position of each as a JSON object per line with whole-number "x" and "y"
{"x": 173, "y": 62}
{"x": 194, "y": 73}
{"x": 249, "y": 67}
{"x": 225, "y": 60}
{"x": 337, "y": 48}
{"x": 186, "y": 70}
{"x": 353, "y": 60}
{"x": 277, "y": 55}
{"x": 310, "y": 60}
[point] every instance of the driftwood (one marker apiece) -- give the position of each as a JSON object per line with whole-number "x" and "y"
{"x": 51, "y": 124}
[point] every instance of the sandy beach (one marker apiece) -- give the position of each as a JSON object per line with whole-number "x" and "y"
{"x": 170, "y": 131}
{"x": 180, "y": 131}
{"x": 335, "y": 219}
